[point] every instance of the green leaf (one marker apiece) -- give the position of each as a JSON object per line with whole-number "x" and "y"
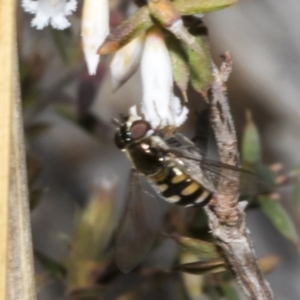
{"x": 279, "y": 218}
{"x": 91, "y": 236}
{"x": 142, "y": 20}
{"x": 94, "y": 227}
{"x": 192, "y": 7}
{"x": 251, "y": 150}
{"x": 200, "y": 66}
{"x": 137, "y": 24}
{"x": 205, "y": 251}
{"x": 52, "y": 266}
{"x": 203, "y": 267}
{"x": 180, "y": 68}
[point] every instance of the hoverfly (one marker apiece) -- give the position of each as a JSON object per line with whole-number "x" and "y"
{"x": 180, "y": 175}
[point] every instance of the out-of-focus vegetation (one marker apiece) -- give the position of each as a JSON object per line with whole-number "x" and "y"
{"x": 88, "y": 270}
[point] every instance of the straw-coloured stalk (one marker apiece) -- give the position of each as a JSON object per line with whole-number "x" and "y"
{"x": 7, "y": 38}
{"x": 16, "y": 272}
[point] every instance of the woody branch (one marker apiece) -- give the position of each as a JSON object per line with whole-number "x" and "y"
{"x": 226, "y": 215}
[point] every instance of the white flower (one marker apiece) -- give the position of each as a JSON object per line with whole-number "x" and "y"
{"x": 50, "y": 11}
{"x": 160, "y": 107}
{"x": 95, "y": 28}
{"x": 126, "y": 61}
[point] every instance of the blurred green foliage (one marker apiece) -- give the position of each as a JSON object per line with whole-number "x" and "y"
{"x": 270, "y": 204}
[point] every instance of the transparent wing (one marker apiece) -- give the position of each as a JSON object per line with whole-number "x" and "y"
{"x": 233, "y": 178}
{"x": 138, "y": 227}
{"x": 248, "y": 182}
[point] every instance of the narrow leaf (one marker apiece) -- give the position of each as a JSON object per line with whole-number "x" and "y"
{"x": 251, "y": 149}
{"x": 205, "y": 251}
{"x": 200, "y": 67}
{"x": 179, "y": 61}
{"x": 164, "y": 12}
{"x": 127, "y": 31}
{"x": 267, "y": 264}
{"x": 91, "y": 237}
{"x": 193, "y": 7}
{"x": 141, "y": 20}
{"x": 203, "y": 267}
{"x": 279, "y": 218}
{"x": 94, "y": 226}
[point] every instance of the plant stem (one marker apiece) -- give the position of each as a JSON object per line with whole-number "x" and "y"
{"x": 226, "y": 215}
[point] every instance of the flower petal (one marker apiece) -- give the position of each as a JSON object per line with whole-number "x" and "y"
{"x": 49, "y": 11}
{"x": 126, "y": 61}
{"x": 160, "y": 107}
{"x": 95, "y": 28}
{"x": 30, "y": 6}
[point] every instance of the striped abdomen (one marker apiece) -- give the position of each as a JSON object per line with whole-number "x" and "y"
{"x": 179, "y": 188}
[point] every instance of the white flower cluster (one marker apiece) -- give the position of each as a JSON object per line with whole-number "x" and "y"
{"x": 159, "y": 105}
{"x": 52, "y": 12}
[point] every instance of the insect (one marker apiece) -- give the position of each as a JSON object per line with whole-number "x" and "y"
{"x": 180, "y": 175}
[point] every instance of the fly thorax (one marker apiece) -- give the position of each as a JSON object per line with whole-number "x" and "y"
{"x": 146, "y": 158}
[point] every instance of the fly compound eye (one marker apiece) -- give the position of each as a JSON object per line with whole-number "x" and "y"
{"x": 119, "y": 141}
{"x": 139, "y": 129}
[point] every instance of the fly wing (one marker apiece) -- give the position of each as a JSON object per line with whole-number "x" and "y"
{"x": 138, "y": 227}
{"x": 246, "y": 181}
{"x": 213, "y": 173}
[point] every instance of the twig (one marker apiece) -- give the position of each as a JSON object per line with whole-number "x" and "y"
{"x": 226, "y": 215}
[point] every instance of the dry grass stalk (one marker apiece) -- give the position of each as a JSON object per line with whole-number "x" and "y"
{"x": 16, "y": 266}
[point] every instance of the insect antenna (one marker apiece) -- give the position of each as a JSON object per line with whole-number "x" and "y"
{"x": 116, "y": 122}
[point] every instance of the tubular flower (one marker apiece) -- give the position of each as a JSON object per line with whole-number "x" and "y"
{"x": 95, "y": 28}
{"x": 50, "y": 11}
{"x": 126, "y": 61}
{"x": 159, "y": 105}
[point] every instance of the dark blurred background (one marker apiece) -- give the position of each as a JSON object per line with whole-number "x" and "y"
{"x": 263, "y": 38}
